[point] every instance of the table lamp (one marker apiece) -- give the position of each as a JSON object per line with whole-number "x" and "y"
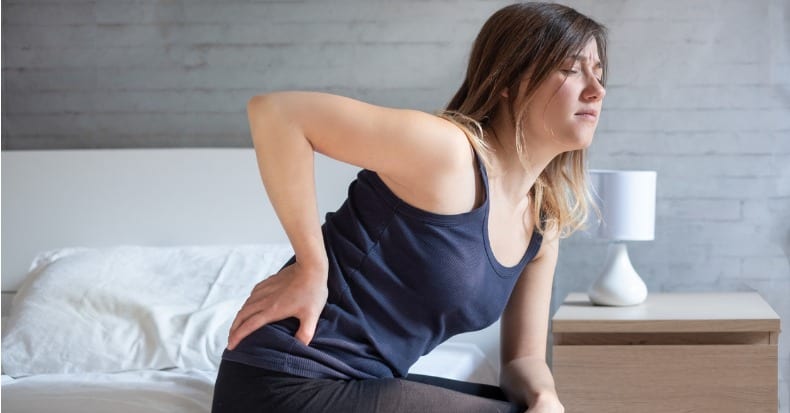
{"x": 627, "y": 201}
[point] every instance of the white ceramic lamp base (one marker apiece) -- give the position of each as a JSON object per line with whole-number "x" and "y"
{"x": 618, "y": 284}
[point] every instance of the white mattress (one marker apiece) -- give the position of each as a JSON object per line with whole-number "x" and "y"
{"x": 128, "y": 392}
{"x": 176, "y": 390}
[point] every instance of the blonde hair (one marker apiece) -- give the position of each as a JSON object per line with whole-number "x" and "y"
{"x": 531, "y": 38}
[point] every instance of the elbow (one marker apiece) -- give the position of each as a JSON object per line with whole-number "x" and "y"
{"x": 260, "y": 110}
{"x": 270, "y": 119}
{"x": 258, "y": 101}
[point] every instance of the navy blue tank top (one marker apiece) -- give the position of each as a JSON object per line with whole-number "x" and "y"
{"x": 401, "y": 281}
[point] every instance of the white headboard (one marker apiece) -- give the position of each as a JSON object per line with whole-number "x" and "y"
{"x": 156, "y": 197}
{"x": 59, "y": 198}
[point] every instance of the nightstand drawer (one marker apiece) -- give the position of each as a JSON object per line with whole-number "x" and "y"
{"x": 666, "y": 378}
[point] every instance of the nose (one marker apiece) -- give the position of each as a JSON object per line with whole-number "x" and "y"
{"x": 594, "y": 90}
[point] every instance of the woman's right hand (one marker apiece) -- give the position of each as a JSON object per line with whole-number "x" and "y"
{"x": 298, "y": 291}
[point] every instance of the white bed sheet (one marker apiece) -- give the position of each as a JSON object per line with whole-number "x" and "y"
{"x": 178, "y": 390}
{"x": 171, "y": 391}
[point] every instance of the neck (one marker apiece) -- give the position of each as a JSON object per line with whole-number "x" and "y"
{"x": 508, "y": 172}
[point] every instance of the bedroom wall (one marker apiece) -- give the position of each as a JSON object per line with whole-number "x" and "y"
{"x": 698, "y": 91}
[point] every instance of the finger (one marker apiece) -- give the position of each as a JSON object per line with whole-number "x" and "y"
{"x": 263, "y": 309}
{"x": 241, "y": 315}
{"x": 235, "y": 324}
{"x": 247, "y": 310}
{"x": 306, "y": 331}
{"x": 248, "y": 326}
{"x": 245, "y": 313}
{"x": 255, "y": 302}
{"x": 264, "y": 283}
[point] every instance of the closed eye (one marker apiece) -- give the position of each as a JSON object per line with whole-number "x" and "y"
{"x": 574, "y": 71}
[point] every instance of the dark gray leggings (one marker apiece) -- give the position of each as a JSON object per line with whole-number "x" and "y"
{"x": 241, "y": 389}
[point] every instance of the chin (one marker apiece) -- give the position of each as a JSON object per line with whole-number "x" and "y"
{"x": 580, "y": 142}
{"x": 586, "y": 143}
{"x": 575, "y": 139}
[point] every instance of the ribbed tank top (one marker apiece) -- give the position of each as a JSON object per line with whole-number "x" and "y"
{"x": 401, "y": 281}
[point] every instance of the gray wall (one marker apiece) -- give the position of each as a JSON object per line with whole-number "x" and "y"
{"x": 86, "y": 74}
{"x": 699, "y": 91}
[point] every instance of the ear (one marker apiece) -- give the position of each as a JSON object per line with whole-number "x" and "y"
{"x": 504, "y": 93}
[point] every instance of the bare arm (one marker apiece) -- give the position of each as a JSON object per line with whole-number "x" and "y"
{"x": 525, "y": 375}
{"x": 405, "y": 146}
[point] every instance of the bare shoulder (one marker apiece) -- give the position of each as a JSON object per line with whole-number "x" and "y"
{"x": 422, "y": 157}
{"x": 448, "y": 185}
{"x": 456, "y": 150}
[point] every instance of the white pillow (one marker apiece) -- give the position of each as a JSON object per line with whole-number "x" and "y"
{"x": 131, "y": 307}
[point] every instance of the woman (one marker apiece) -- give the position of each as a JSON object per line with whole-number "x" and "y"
{"x": 453, "y": 222}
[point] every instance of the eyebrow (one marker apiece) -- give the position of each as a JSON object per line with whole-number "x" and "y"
{"x": 584, "y": 59}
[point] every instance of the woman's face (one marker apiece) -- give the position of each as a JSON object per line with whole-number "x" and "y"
{"x": 565, "y": 108}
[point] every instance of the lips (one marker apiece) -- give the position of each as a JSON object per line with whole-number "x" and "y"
{"x": 588, "y": 115}
{"x": 590, "y": 112}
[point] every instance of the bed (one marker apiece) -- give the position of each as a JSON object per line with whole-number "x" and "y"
{"x": 122, "y": 270}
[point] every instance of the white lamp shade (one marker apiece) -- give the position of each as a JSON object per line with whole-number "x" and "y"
{"x": 627, "y": 200}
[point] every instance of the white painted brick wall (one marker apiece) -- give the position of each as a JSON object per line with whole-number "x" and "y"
{"x": 698, "y": 90}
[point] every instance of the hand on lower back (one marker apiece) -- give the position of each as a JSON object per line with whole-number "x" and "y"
{"x": 296, "y": 291}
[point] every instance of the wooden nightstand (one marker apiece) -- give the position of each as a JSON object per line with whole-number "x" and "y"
{"x": 676, "y": 352}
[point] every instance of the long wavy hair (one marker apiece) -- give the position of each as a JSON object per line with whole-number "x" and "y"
{"x": 530, "y": 38}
